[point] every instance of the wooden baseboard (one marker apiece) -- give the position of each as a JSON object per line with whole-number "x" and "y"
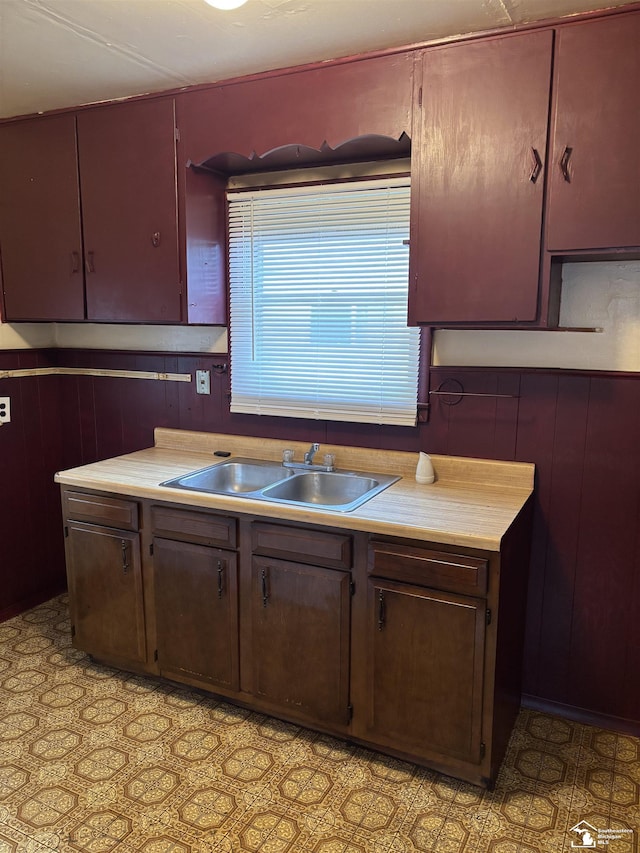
{"x": 18, "y": 607}
{"x": 582, "y": 715}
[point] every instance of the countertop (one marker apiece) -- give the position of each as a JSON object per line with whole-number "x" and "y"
{"x": 472, "y": 503}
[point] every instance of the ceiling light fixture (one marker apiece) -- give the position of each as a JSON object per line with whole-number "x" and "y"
{"x": 226, "y": 5}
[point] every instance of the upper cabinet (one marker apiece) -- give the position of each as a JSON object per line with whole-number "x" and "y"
{"x": 129, "y": 212}
{"x": 89, "y": 220}
{"x": 332, "y": 104}
{"x": 40, "y": 229}
{"x": 594, "y": 178}
{"x": 478, "y": 158}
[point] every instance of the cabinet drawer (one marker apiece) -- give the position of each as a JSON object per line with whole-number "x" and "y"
{"x": 303, "y": 545}
{"x": 452, "y": 572}
{"x": 111, "y": 512}
{"x": 200, "y": 527}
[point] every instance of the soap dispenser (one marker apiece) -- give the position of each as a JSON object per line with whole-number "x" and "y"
{"x": 424, "y": 469}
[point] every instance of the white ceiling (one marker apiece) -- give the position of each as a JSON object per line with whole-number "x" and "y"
{"x": 61, "y": 53}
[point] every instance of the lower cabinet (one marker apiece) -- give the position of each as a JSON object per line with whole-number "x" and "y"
{"x": 299, "y": 646}
{"x": 425, "y": 670}
{"x": 196, "y": 610}
{"x": 399, "y": 645}
{"x": 105, "y": 592}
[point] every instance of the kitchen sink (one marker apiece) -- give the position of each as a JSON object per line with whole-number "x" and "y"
{"x": 235, "y": 476}
{"x": 338, "y": 490}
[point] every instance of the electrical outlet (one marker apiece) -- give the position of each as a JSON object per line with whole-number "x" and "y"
{"x": 5, "y": 410}
{"x": 203, "y": 382}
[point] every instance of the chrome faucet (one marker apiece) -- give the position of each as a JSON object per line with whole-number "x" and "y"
{"x": 308, "y": 456}
{"x": 289, "y": 462}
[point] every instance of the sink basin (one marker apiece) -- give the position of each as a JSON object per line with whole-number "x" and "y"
{"x": 322, "y": 488}
{"x": 260, "y": 480}
{"x": 233, "y": 477}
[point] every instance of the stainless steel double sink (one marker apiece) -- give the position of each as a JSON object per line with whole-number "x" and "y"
{"x": 338, "y": 490}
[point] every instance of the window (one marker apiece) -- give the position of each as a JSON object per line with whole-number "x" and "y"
{"x": 318, "y": 283}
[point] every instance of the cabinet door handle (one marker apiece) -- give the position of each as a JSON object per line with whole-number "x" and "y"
{"x": 220, "y": 571}
{"x": 564, "y": 163}
{"x": 125, "y": 563}
{"x": 265, "y": 592}
{"x": 537, "y": 166}
{"x": 381, "y": 611}
{"x": 91, "y": 267}
{"x": 75, "y": 262}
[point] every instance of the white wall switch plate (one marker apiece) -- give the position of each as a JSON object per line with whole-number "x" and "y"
{"x": 203, "y": 382}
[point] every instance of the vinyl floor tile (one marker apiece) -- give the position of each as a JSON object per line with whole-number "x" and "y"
{"x": 94, "y": 760}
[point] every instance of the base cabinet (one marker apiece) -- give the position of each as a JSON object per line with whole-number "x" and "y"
{"x": 299, "y": 647}
{"x": 105, "y": 592}
{"x": 196, "y": 607}
{"x": 402, "y": 646}
{"x": 425, "y": 671}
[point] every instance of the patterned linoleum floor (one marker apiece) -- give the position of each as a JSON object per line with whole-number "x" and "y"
{"x": 96, "y": 760}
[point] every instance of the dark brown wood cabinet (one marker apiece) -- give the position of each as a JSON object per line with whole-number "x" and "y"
{"x": 40, "y": 230}
{"x": 104, "y": 575}
{"x": 299, "y": 646}
{"x": 478, "y": 159}
{"x": 594, "y": 177}
{"x": 425, "y": 671}
{"x": 196, "y": 607}
{"x": 127, "y": 166}
{"x": 411, "y": 648}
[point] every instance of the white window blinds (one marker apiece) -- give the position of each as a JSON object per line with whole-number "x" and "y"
{"x": 318, "y": 283}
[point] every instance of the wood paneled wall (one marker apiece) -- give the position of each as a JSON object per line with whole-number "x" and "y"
{"x": 581, "y": 430}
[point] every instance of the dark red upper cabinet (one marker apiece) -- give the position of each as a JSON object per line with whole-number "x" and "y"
{"x": 129, "y": 211}
{"x": 478, "y": 159}
{"x": 332, "y": 104}
{"x": 40, "y": 236}
{"x": 594, "y": 187}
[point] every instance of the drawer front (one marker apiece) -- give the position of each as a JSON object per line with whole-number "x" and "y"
{"x": 451, "y": 572}
{"x": 110, "y": 512}
{"x": 190, "y": 526}
{"x": 317, "y": 547}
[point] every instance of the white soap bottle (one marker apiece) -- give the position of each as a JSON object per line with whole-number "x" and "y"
{"x": 424, "y": 469}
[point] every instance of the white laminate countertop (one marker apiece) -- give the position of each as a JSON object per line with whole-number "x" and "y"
{"x": 472, "y": 503}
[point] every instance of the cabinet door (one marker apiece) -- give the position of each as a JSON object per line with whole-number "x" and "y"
{"x": 594, "y": 190}
{"x": 129, "y": 211}
{"x": 299, "y": 645}
{"x": 196, "y": 603}
{"x": 425, "y": 670}
{"x": 40, "y": 237}
{"x": 307, "y": 108}
{"x": 477, "y": 181}
{"x": 105, "y": 592}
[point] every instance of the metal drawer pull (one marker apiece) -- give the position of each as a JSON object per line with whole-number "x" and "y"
{"x": 125, "y": 564}
{"x": 381, "y": 611}
{"x": 91, "y": 267}
{"x": 75, "y": 262}
{"x": 537, "y": 166}
{"x": 564, "y": 163}
{"x": 265, "y": 594}
{"x": 220, "y": 570}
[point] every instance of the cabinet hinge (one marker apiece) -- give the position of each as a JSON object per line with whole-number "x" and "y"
{"x": 177, "y": 130}
{"x": 483, "y": 750}
{"x": 66, "y": 532}
{"x": 488, "y": 616}
{"x": 151, "y": 550}
{"x": 352, "y": 587}
{"x": 350, "y": 712}
{"x": 155, "y": 655}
